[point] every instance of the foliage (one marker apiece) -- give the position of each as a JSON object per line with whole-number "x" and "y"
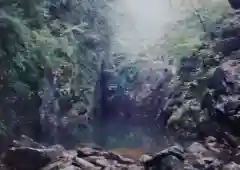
{"x": 33, "y": 37}
{"x": 188, "y": 33}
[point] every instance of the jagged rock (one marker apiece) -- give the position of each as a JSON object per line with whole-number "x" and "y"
{"x": 120, "y": 159}
{"x": 24, "y": 158}
{"x": 59, "y": 165}
{"x": 25, "y": 141}
{"x": 6, "y": 142}
{"x": 199, "y": 150}
{"x": 55, "y": 151}
{"x": 87, "y": 151}
{"x": 198, "y": 156}
{"x": 224, "y": 105}
{"x": 145, "y": 158}
{"x": 98, "y": 161}
{"x": 27, "y": 158}
{"x": 236, "y": 155}
{"x": 189, "y": 64}
{"x": 231, "y": 70}
{"x": 231, "y": 166}
{"x": 211, "y": 144}
{"x": 235, "y": 4}
{"x": 79, "y": 162}
{"x": 227, "y": 46}
{"x": 167, "y": 158}
{"x": 217, "y": 81}
{"x": 71, "y": 167}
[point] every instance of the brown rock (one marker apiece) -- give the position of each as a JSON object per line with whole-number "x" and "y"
{"x": 120, "y": 159}
{"x": 81, "y": 163}
{"x": 98, "y": 161}
{"x": 71, "y": 167}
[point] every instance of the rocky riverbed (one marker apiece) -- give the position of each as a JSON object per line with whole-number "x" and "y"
{"x": 200, "y": 114}
{"x": 25, "y": 154}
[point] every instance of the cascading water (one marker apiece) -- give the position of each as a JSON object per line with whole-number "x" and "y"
{"x": 138, "y": 30}
{"x": 137, "y": 33}
{"x": 137, "y": 27}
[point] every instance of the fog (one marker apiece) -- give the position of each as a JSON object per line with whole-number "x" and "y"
{"x": 138, "y": 27}
{"x": 139, "y": 24}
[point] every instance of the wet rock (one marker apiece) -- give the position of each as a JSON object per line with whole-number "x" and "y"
{"x": 54, "y": 152}
{"x": 79, "y": 162}
{"x": 6, "y": 142}
{"x": 189, "y": 65}
{"x": 235, "y": 4}
{"x": 236, "y": 155}
{"x": 87, "y": 151}
{"x": 198, "y": 150}
{"x": 59, "y": 165}
{"x": 71, "y": 167}
{"x": 211, "y": 144}
{"x": 145, "y": 158}
{"x": 99, "y": 161}
{"x": 165, "y": 159}
{"x": 199, "y": 157}
{"x": 28, "y": 158}
{"x": 217, "y": 81}
{"x": 25, "y": 141}
{"x": 24, "y": 158}
{"x": 120, "y": 159}
{"x": 102, "y": 162}
{"x": 227, "y": 46}
{"x": 231, "y": 70}
{"x": 231, "y": 166}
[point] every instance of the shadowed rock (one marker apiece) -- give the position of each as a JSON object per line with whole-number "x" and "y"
{"x": 235, "y": 4}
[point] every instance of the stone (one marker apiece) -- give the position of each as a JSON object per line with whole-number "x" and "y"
{"x": 166, "y": 158}
{"x": 87, "y": 151}
{"x": 231, "y": 166}
{"x": 26, "y": 141}
{"x": 145, "y": 158}
{"x": 71, "y": 167}
{"x": 198, "y": 156}
{"x": 120, "y": 159}
{"x": 25, "y": 158}
{"x": 79, "y": 162}
{"x": 235, "y": 4}
{"x": 98, "y": 161}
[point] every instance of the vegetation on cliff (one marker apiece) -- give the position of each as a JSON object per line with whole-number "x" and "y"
{"x": 73, "y": 39}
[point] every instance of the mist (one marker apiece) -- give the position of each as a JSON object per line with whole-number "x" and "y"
{"x": 138, "y": 25}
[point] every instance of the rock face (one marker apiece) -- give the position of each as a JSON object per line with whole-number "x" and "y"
{"x": 205, "y": 99}
{"x": 235, "y": 4}
{"x": 201, "y": 112}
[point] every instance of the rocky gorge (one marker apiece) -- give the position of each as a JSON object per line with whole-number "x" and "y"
{"x": 192, "y": 119}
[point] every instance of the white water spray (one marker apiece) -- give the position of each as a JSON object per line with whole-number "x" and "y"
{"x": 139, "y": 25}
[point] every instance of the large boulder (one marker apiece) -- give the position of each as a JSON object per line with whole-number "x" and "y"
{"x": 199, "y": 156}
{"x": 235, "y": 4}
{"x": 227, "y": 46}
{"x": 27, "y": 158}
{"x": 231, "y": 166}
{"x": 169, "y": 158}
{"x": 224, "y": 101}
